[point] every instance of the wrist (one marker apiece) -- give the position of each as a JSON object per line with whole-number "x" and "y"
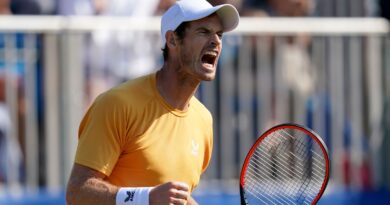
{"x": 133, "y": 196}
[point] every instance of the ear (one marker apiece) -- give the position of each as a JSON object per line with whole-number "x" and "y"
{"x": 170, "y": 39}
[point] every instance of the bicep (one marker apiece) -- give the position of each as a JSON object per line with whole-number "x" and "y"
{"x": 81, "y": 173}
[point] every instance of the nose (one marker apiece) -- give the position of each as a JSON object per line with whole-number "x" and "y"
{"x": 215, "y": 40}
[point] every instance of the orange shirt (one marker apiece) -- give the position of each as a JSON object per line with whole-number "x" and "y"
{"x": 135, "y": 138}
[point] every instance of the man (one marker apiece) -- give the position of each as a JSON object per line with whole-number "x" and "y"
{"x": 147, "y": 141}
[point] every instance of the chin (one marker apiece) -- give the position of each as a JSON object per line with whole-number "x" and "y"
{"x": 209, "y": 77}
{"x": 207, "y": 73}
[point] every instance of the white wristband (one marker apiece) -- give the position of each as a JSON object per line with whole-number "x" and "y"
{"x": 133, "y": 196}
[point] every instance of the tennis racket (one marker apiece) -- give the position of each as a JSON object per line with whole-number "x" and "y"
{"x": 288, "y": 164}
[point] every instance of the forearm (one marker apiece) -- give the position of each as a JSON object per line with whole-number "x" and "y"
{"x": 87, "y": 186}
{"x": 191, "y": 201}
{"x": 92, "y": 191}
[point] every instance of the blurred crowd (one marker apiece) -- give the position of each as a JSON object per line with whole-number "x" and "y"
{"x": 105, "y": 49}
{"x": 342, "y": 8}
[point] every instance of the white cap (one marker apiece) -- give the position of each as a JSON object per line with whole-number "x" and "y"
{"x": 191, "y": 10}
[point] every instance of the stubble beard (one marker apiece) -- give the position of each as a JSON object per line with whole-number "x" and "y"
{"x": 190, "y": 67}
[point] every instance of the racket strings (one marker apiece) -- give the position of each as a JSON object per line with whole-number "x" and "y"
{"x": 313, "y": 171}
{"x": 263, "y": 197}
{"x": 300, "y": 145}
{"x": 316, "y": 161}
{"x": 283, "y": 172}
{"x": 286, "y": 167}
{"x": 272, "y": 187}
{"x": 300, "y": 171}
{"x": 264, "y": 192}
{"x": 277, "y": 199}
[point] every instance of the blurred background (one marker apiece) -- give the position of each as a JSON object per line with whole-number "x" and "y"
{"x": 320, "y": 63}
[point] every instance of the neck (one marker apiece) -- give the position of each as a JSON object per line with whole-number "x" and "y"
{"x": 176, "y": 89}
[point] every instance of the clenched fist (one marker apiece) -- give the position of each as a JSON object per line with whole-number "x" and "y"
{"x": 170, "y": 193}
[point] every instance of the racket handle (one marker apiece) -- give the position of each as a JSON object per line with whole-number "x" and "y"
{"x": 242, "y": 196}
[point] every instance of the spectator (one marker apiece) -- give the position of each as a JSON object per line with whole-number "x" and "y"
{"x": 5, "y": 7}
{"x": 289, "y": 55}
{"x": 286, "y": 8}
{"x": 12, "y": 70}
{"x": 296, "y": 64}
{"x": 76, "y": 7}
{"x": 115, "y": 56}
{"x": 163, "y": 5}
{"x": 25, "y": 7}
{"x": 235, "y": 3}
{"x": 10, "y": 153}
{"x": 384, "y": 9}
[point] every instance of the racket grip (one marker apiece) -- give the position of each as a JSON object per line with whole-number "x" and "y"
{"x": 242, "y": 196}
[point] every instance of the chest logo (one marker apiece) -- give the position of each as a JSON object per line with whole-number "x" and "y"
{"x": 194, "y": 148}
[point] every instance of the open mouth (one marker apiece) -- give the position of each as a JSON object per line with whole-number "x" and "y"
{"x": 209, "y": 58}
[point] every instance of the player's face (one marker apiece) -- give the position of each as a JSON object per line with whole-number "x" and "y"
{"x": 200, "y": 48}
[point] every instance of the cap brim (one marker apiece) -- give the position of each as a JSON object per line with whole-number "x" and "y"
{"x": 229, "y": 17}
{"x": 227, "y": 13}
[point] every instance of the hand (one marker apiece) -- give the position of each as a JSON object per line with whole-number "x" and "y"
{"x": 170, "y": 193}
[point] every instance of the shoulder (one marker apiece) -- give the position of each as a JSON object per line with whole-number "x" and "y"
{"x": 135, "y": 87}
{"x": 201, "y": 110}
{"x": 130, "y": 93}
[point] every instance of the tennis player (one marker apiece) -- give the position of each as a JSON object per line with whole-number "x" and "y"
{"x": 148, "y": 140}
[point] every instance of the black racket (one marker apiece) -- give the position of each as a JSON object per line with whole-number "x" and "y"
{"x": 288, "y": 164}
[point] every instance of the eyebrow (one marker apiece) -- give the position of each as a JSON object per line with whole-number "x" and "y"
{"x": 208, "y": 29}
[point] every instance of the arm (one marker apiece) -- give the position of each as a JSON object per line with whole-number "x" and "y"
{"x": 87, "y": 186}
{"x": 191, "y": 201}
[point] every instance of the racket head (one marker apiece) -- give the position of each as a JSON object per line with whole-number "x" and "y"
{"x": 316, "y": 155}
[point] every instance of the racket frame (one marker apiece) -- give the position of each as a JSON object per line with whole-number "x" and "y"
{"x": 306, "y": 130}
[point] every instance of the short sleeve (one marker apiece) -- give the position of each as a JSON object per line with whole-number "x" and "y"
{"x": 208, "y": 144}
{"x": 101, "y": 134}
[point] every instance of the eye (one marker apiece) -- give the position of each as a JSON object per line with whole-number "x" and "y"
{"x": 203, "y": 32}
